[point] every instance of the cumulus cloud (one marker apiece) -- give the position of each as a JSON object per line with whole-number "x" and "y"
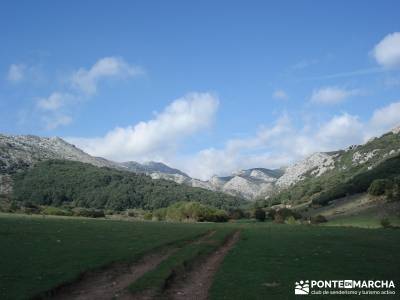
{"x": 280, "y": 95}
{"x": 55, "y": 101}
{"x": 273, "y": 146}
{"x": 283, "y": 143}
{"x": 341, "y": 130}
{"x": 107, "y": 67}
{"x": 385, "y": 118}
{"x": 16, "y": 72}
{"x": 157, "y": 137}
{"x": 332, "y": 95}
{"x": 387, "y": 51}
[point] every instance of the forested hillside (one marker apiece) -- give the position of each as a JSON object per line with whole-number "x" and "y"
{"x": 59, "y": 182}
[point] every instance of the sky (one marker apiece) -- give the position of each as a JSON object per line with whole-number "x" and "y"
{"x": 208, "y": 87}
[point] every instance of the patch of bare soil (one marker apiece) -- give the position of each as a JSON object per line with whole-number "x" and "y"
{"x": 196, "y": 283}
{"x": 111, "y": 283}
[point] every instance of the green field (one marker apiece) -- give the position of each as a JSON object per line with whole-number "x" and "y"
{"x": 269, "y": 258}
{"x": 38, "y": 254}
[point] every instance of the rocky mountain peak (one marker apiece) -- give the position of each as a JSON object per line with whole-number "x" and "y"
{"x": 396, "y": 130}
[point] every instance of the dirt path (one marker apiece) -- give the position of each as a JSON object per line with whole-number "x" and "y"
{"x": 111, "y": 283}
{"x": 197, "y": 282}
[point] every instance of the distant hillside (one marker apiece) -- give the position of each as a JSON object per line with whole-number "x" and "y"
{"x": 151, "y": 167}
{"x": 56, "y": 182}
{"x": 17, "y": 153}
{"x": 306, "y": 180}
{"x": 344, "y": 172}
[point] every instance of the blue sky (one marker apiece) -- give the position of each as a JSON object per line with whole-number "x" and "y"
{"x": 210, "y": 86}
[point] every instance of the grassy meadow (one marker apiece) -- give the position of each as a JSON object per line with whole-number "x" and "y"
{"x": 40, "y": 253}
{"x": 269, "y": 258}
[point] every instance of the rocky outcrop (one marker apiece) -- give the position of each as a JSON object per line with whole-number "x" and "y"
{"x": 248, "y": 188}
{"x": 18, "y": 152}
{"x": 314, "y": 165}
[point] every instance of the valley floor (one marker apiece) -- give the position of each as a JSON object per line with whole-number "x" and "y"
{"x": 243, "y": 260}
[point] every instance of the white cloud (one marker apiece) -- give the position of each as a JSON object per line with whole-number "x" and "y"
{"x": 386, "y": 118}
{"x": 283, "y": 143}
{"x": 332, "y": 95}
{"x": 280, "y": 95}
{"x": 55, "y": 101}
{"x": 340, "y": 131}
{"x": 107, "y": 67}
{"x": 82, "y": 85}
{"x": 270, "y": 147}
{"x": 387, "y": 51}
{"x": 259, "y": 150}
{"x": 157, "y": 137}
{"x": 16, "y": 72}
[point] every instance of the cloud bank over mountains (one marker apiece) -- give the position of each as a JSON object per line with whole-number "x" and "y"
{"x": 271, "y": 147}
{"x": 159, "y": 137}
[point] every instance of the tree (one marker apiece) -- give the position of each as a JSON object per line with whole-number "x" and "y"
{"x": 259, "y": 214}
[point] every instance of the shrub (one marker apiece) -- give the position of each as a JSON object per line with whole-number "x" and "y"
{"x": 30, "y": 208}
{"x": 89, "y": 213}
{"x": 109, "y": 212}
{"x": 259, "y": 214}
{"x": 131, "y": 213}
{"x": 271, "y": 214}
{"x": 281, "y": 215}
{"x": 159, "y": 214}
{"x": 190, "y": 212}
{"x": 148, "y": 215}
{"x": 55, "y": 211}
{"x": 219, "y": 216}
{"x": 291, "y": 221}
{"x": 279, "y": 219}
{"x": 318, "y": 219}
{"x": 385, "y": 223}
{"x": 14, "y": 206}
{"x": 378, "y": 187}
{"x": 236, "y": 214}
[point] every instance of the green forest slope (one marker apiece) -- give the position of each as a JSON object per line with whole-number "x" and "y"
{"x": 58, "y": 182}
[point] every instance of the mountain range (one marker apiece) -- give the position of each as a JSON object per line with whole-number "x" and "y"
{"x": 21, "y": 152}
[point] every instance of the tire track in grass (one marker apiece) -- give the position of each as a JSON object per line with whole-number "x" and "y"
{"x": 196, "y": 283}
{"x": 110, "y": 283}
